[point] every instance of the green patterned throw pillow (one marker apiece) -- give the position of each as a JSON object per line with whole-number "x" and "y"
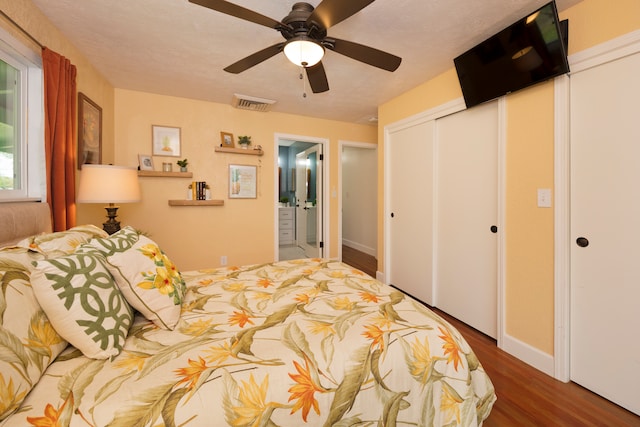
{"x": 149, "y": 280}
{"x": 83, "y": 303}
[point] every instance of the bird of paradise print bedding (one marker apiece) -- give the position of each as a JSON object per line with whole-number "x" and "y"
{"x": 307, "y": 342}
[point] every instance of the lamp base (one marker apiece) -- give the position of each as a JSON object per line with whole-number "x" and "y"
{"x": 112, "y": 225}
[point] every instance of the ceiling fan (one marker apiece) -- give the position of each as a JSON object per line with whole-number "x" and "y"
{"x": 305, "y": 33}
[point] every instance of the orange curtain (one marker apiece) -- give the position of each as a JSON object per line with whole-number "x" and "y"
{"x": 60, "y": 131}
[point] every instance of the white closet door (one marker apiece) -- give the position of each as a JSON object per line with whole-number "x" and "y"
{"x": 410, "y": 194}
{"x": 467, "y": 206}
{"x": 605, "y": 212}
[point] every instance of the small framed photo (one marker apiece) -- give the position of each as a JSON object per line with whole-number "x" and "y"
{"x": 226, "y": 140}
{"x": 166, "y": 141}
{"x": 89, "y": 131}
{"x": 145, "y": 162}
{"x": 243, "y": 182}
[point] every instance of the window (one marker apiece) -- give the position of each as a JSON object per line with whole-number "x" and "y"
{"x": 21, "y": 122}
{"x": 10, "y": 147}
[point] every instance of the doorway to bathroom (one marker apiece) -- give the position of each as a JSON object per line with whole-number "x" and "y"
{"x": 300, "y": 218}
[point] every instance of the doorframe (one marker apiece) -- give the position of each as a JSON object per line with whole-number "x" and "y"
{"x": 326, "y": 220}
{"x": 435, "y": 113}
{"x": 341, "y": 145}
{"x": 611, "y": 50}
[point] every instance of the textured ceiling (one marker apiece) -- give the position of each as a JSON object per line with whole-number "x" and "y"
{"x": 177, "y": 48}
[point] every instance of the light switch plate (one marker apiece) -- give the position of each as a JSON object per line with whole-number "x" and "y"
{"x": 544, "y": 197}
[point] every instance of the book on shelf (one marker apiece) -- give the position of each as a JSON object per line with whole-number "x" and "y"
{"x": 198, "y": 190}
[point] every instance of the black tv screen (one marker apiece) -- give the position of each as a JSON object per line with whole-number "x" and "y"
{"x": 527, "y": 52}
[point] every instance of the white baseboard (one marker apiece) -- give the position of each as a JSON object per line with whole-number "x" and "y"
{"x": 530, "y": 355}
{"x": 360, "y": 247}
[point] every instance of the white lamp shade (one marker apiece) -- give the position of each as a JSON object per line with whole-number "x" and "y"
{"x": 108, "y": 184}
{"x": 303, "y": 52}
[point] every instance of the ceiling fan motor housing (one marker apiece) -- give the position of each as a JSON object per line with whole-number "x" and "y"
{"x": 297, "y": 24}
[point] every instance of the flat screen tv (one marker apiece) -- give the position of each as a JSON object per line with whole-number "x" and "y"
{"x": 527, "y": 52}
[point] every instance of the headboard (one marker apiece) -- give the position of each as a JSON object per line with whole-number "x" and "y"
{"x": 23, "y": 219}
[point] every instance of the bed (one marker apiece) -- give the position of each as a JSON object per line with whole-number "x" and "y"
{"x": 304, "y": 342}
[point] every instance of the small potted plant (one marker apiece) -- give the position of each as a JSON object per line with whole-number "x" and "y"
{"x": 244, "y": 141}
{"x": 183, "y": 165}
{"x": 284, "y": 202}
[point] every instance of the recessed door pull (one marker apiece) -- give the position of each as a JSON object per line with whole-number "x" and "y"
{"x": 583, "y": 242}
{"x": 494, "y": 229}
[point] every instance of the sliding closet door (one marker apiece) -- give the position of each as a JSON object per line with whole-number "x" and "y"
{"x": 605, "y": 230}
{"x": 466, "y": 214}
{"x": 409, "y": 209}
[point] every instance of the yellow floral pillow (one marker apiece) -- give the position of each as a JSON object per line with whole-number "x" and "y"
{"x": 28, "y": 341}
{"x": 148, "y": 279}
{"x": 62, "y": 242}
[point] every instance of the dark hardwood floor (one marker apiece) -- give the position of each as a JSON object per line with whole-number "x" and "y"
{"x": 360, "y": 260}
{"x": 526, "y": 396}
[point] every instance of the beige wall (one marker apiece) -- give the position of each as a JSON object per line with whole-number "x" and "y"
{"x": 529, "y": 230}
{"x": 242, "y": 230}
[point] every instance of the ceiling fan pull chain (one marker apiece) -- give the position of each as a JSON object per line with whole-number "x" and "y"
{"x": 304, "y": 83}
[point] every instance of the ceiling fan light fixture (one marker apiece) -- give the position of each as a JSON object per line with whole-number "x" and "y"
{"x": 303, "y": 51}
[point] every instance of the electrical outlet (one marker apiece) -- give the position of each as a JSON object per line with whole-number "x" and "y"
{"x": 223, "y": 260}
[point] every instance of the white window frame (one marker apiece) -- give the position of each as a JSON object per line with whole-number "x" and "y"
{"x": 31, "y": 132}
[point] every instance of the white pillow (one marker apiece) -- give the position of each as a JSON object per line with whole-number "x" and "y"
{"x": 150, "y": 282}
{"x": 83, "y": 303}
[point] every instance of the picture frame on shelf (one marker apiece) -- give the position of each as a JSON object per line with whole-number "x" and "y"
{"x": 145, "y": 162}
{"x": 226, "y": 140}
{"x": 89, "y": 131}
{"x": 243, "y": 181}
{"x": 165, "y": 141}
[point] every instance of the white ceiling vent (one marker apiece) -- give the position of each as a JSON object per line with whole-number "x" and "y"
{"x": 245, "y": 102}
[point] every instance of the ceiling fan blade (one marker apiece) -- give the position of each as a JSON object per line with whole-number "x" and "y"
{"x": 240, "y": 12}
{"x": 317, "y": 78}
{"x": 330, "y": 12}
{"x": 254, "y": 59}
{"x": 365, "y": 54}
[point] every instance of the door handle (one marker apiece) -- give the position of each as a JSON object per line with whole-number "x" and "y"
{"x": 494, "y": 229}
{"x": 583, "y": 242}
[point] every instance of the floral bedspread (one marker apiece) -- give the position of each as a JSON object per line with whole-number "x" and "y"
{"x": 306, "y": 342}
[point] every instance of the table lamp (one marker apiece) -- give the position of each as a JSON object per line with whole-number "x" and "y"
{"x": 108, "y": 184}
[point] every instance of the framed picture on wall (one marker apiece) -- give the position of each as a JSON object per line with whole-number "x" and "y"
{"x": 243, "y": 182}
{"x": 166, "y": 141}
{"x": 89, "y": 131}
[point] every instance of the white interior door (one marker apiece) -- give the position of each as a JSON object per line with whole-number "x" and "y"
{"x": 309, "y": 201}
{"x": 605, "y": 231}
{"x": 409, "y": 207}
{"x": 467, "y": 212}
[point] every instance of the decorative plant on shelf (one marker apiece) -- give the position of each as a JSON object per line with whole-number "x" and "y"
{"x": 183, "y": 165}
{"x": 244, "y": 141}
{"x": 284, "y": 201}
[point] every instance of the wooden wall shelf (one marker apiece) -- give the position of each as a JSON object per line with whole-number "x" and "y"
{"x": 249, "y": 151}
{"x": 196, "y": 202}
{"x": 166, "y": 174}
